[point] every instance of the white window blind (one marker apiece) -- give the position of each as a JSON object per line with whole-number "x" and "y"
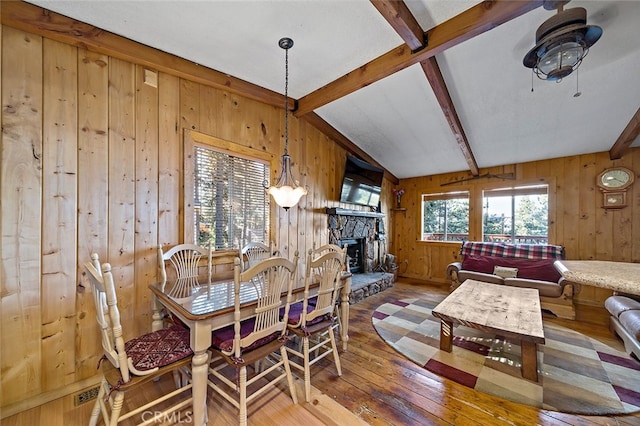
{"x": 231, "y": 206}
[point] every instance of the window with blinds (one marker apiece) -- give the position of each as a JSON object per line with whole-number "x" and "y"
{"x": 231, "y": 206}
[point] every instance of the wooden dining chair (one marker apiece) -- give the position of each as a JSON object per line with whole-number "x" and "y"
{"x": 316, "y": 322}
{"x": 237, "y": 348}
{"x": 329, "y": 248}
{"x": 190, "y": 264}
{"x": 332, "y": 248}
{"x": 254, "y": 252}
{"x": 128, "y": 366}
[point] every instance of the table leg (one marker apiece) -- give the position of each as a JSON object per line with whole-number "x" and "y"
{"x": 344, "y": 312}
{"x": 200, "y": 342}
{"x": 157, "y": 322}
{"x": 529, "y": 355}
{"x": 199, "y": 371}
{"x": 446, "y": 335}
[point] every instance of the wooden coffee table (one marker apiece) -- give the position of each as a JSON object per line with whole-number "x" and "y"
{"x": 512, "y": 312}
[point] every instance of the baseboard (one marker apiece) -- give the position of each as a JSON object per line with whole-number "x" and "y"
{"x": 43, "y": 398}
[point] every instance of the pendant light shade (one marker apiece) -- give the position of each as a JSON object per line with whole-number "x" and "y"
{"x": 286, "y": 192}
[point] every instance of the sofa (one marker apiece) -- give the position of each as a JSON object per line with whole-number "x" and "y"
{"x": 625, "y": 320}
{"x": 518, "y": 265}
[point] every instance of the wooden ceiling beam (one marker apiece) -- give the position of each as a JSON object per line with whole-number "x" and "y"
{"x": 319, "y": 123}
{"x": 468, "y": 24}
{"x": 436, "y": 80}
{"x": 402, "y": 20}
{"x": 628, "y": 135}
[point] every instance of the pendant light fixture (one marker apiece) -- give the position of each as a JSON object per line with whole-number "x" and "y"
{"x": 562, "y": 42}
{"x": 286, "y": 192}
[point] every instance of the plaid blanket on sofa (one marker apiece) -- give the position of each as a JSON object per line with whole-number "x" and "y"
{"x": 524, "y": 251}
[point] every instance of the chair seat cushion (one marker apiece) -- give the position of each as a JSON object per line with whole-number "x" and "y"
{"x": 222, "y": 339}
{"x": 159, "y": 348}
{"x": 295, "y": 314}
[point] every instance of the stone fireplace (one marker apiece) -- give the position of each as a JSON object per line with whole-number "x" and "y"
{"x": 360, "y": 231}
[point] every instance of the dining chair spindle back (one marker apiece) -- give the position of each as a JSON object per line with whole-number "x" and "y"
{"x": 189, "y": 263}
{"x": 316, "y": 322}
{"x": 126, "y": 366}
{"x": 237, "y": 348}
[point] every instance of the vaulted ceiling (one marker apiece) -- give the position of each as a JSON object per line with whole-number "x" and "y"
{"x": 419, "y": 87}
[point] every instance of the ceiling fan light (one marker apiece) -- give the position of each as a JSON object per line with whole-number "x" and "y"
{"x": 560, "y": 61}
{"x": 562, "y": 42}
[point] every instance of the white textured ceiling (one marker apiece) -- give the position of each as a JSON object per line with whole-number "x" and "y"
{"x": 397, "y": 120}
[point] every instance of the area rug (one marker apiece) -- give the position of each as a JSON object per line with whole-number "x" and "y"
{"x": 576, "y": 374}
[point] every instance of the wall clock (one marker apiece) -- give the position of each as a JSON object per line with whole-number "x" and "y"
{"x": 615, "y": 179}
{"x": 614, "y": 182}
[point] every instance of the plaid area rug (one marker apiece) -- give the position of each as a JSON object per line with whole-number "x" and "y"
{"x": 576, "y": 374}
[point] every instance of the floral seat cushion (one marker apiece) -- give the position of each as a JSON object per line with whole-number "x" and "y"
{"x": 223, "y": 339}
{"x": 159, "y": 348}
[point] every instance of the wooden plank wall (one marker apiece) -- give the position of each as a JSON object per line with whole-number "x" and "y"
{"x": 92, "y": 161}
{"x": 577, "y": 220}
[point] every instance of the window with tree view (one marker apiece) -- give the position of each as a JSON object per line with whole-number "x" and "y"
{"x": 445, "y": 217}
{"x": 516, "y": 215}
{"x": 231, "y": 206}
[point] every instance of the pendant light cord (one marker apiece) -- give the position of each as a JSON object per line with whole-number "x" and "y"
{"x": 286, "y": 101}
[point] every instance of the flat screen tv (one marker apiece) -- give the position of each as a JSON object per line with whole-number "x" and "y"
{"x": 362, "y": 183}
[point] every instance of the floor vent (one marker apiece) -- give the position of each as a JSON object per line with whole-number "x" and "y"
{"x": 86, "y": 395}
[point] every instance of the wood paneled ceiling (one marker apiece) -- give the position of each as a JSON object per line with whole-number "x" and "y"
{"x": 419, "y": 87}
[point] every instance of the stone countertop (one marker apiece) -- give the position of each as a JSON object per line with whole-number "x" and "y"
{"x": 616, "y": 276}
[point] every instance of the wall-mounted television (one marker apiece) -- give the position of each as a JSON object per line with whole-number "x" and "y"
{"x": 362, "y": 183}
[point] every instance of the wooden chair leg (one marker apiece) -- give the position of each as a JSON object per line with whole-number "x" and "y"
{"x": 116, "y": 408}
{"x": 95, "y": 412}
{"x": 287, "y": 367}
{"x": 242, "y": 382}
{"x": 307, "y": 369}
{"x": 334, "y": 347}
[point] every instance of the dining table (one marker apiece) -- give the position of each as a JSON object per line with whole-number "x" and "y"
{"x": 209, "y": 307}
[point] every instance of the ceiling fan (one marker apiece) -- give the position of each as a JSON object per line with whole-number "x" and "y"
{"x": 562, "y": 42}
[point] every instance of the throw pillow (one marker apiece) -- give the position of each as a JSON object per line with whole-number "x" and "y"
{"x": 505, "y": 272}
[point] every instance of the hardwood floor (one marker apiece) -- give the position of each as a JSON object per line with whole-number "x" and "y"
{"x": 378, "y": 385}
{"x": 384, "y": 388}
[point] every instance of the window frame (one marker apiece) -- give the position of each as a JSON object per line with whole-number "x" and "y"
{"x": 192, "y": 139}
{"x": 514, "y": 190}
{"x": 439, "y": 196}
{"x": 475, "y": 190}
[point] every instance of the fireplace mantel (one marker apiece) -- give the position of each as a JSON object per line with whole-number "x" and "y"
{"x": 345, "y": 212}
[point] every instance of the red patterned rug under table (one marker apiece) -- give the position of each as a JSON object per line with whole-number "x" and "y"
{"x": 576, "y": 374}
